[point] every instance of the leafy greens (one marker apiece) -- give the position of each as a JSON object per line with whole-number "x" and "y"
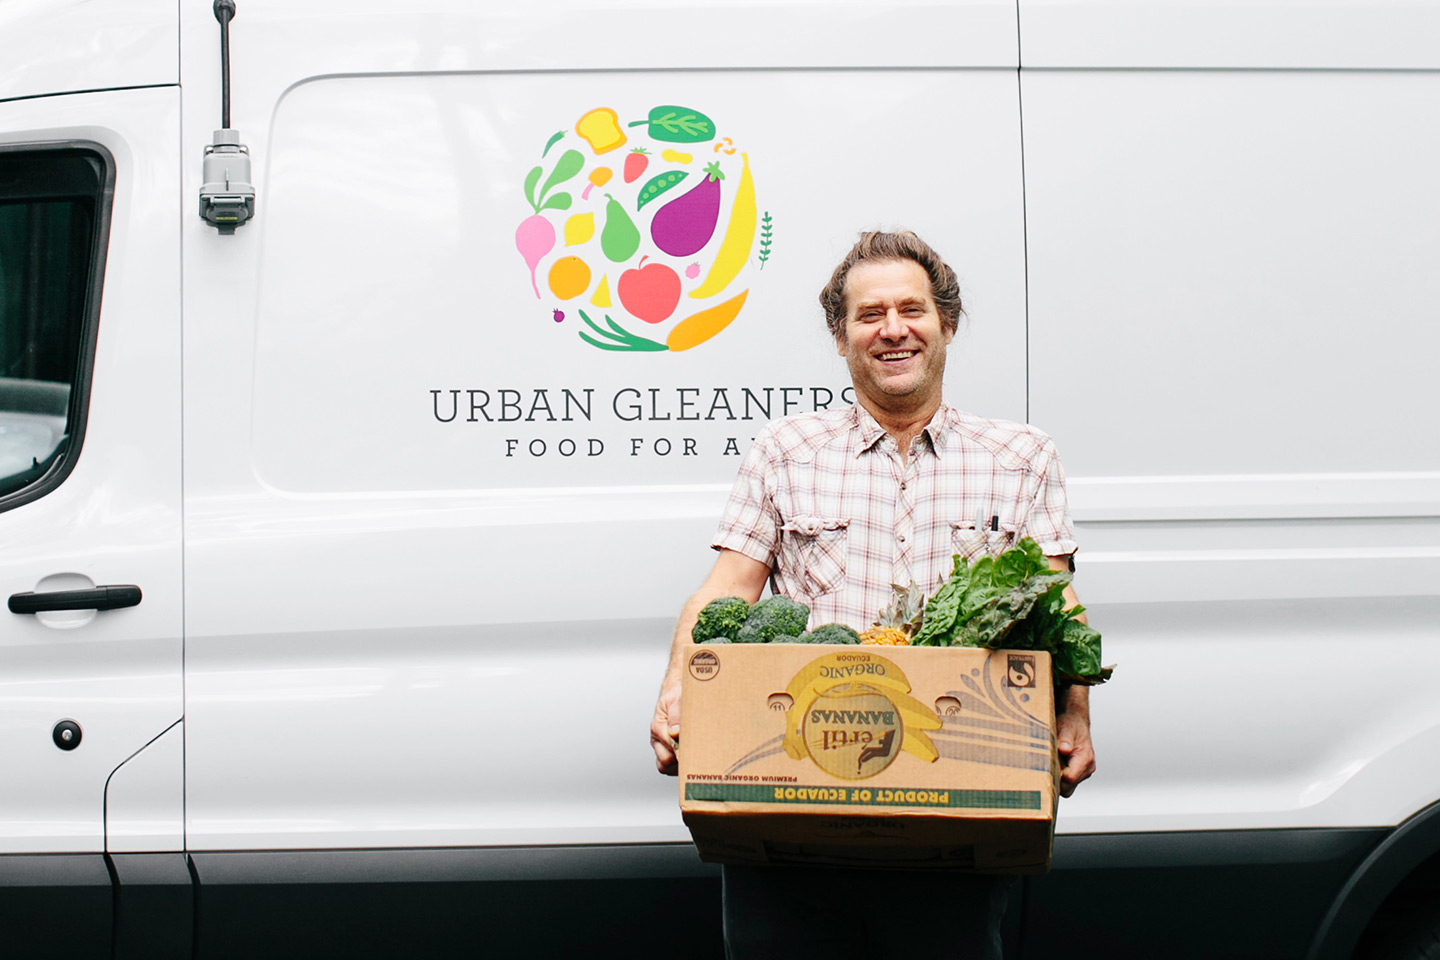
{"x": 1017, "y": 602}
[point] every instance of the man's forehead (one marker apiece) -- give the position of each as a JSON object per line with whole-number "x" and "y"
{"x": 902, "y": 281}
{"x": 916, "y": 296}
{"x": 887, "y": 274}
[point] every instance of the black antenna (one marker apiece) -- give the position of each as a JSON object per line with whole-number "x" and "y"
{"x": 225, "y": 12}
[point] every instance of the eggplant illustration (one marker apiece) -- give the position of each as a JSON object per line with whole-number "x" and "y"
{"x": 684, "y": 225}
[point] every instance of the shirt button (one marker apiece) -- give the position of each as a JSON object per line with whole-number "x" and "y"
{"x": 902, "y": 486}
{"x": 902, "y": 539}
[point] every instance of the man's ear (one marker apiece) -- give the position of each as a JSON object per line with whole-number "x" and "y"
{"x": 840, "y": 342}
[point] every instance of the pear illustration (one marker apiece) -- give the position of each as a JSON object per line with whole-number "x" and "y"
{"x": 620, "y": 238}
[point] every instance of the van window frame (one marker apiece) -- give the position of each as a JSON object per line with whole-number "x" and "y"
{"x": 78, "y": 410}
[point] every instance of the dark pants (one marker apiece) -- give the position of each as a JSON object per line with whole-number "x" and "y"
{"x": 794, "y": 912}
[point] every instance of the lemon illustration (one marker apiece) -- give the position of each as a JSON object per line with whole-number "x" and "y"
{"x": 579, "y": 228}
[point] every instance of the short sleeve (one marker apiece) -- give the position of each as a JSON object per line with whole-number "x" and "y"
{"x": 750, "y": 524}
{"x": 1048, "y": 522}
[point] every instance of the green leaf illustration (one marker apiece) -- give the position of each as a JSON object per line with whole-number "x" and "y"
{"x": 766, "y": 234}
{"x": 618, "y": 338}
{"x": 569, "y": 164}
{"x": 678, "y": 125}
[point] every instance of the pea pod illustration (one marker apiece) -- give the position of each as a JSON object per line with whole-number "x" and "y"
{"x": 620, "y": 238}
{"x": 658, "y": 185}
{"x": 678, "y": 125}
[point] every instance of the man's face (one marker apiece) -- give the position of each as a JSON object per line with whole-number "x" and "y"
{"x": 893, "y": 339}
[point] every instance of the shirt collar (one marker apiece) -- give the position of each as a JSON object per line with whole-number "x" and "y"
{"x": 871, "y": 432}
{"x": 939, "y": 429}
{"x": 936, "y": 432}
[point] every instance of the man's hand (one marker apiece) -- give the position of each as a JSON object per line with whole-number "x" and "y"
{"x": 1072, "y": 723}
{"x": 1072, "y": 736}
{"x": 734, "y": 575}
{"x": 665, "y": 728}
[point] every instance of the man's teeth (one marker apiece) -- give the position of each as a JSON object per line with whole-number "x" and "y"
{"x": 897, "y": 355}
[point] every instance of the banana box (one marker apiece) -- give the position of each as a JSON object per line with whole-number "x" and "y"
{"x": 903, "y": 757}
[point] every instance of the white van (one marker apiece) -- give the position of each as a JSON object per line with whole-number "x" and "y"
{"x": 371, "y": 515}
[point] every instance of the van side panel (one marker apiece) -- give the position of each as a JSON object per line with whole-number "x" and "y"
{"x": 442, "y": 508}
{"x": 1248, "y": 314}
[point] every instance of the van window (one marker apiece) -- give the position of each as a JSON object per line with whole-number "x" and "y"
{"x": 53, "y": 207}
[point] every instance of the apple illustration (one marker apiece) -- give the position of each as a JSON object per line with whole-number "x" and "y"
{"x": 649, "y": 293}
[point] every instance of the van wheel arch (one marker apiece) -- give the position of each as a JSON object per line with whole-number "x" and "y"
{"x": 1399, "y": 877}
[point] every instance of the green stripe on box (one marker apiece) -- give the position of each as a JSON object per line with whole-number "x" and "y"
{"x": 864, "y": 796}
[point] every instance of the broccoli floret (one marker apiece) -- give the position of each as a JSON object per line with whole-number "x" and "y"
{"x": 720, "y": 618}
{"x": 774, "y": 618}
{"x": 829, "y": 633}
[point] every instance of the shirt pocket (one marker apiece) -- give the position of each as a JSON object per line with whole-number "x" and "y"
{"x": 813, "y": 551}
{"x": 973, "y": 542}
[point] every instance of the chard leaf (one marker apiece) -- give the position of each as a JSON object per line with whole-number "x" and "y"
{"x": 942, "y": 609}
{"x": 1017, "y": 602}
{"x": 1078, "y": 653}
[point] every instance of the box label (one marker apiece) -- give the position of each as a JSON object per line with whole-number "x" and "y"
{"x": 852, "y": 714}
{"x": 865, "y": 796}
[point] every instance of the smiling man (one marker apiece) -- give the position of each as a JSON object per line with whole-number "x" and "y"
{"x": 836, "y": 506}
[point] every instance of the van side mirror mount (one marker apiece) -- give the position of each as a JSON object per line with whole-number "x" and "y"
{"x": 227, "y": 197}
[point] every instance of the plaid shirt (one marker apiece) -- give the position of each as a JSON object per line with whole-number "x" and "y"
{"x": 824, "y": 499}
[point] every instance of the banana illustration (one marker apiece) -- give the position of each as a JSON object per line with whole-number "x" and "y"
{"x": 827, "y": 676}
{"x": 739, "y": 237}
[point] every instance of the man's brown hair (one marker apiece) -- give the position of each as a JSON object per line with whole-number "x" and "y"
{"x": 876, "y": 246}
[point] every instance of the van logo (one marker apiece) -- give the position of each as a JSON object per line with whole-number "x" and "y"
{"x": 853, "y": 719}
{"x": 644, "y": 229}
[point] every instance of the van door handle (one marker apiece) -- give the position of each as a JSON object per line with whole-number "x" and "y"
{"x": 95, "y": 598}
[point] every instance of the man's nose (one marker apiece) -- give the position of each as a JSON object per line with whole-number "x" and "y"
{"x": 894, "y": 327}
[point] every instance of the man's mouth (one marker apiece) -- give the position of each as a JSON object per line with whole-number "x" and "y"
{"x": 897, "y": 355}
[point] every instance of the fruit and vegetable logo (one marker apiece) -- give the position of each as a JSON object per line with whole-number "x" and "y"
{"x": 852, "y": 714}
{"x": 645, "y": 225}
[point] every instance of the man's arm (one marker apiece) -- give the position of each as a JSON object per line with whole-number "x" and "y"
{"x": 734, "y": 575}
{"x": 1072, "y": 722}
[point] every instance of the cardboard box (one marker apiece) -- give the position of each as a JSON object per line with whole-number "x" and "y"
{"x": 877, "y": 756}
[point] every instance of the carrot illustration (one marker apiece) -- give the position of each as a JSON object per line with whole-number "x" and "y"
{"x": 739, "y": 237}
{"x": 699, "y": 327}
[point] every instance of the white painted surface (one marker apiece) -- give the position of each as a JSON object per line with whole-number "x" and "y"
{"x": 145, "y": 798}
{"x": 1231, "y": 268}
{"x": 1264, "y": 713}
{"x": 116, "y": 518}
{"x": 1255, "y": 34}
{"x": 64, "y": 46}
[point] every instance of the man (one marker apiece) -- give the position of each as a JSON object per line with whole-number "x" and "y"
{"x": 833, "y": 508}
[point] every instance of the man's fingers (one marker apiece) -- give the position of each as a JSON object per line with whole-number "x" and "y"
{"x": 665, "y": 739}
{"x": 1079, "y": 765}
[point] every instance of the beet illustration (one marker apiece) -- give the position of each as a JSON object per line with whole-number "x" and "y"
{"x": 684, "y": 225}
